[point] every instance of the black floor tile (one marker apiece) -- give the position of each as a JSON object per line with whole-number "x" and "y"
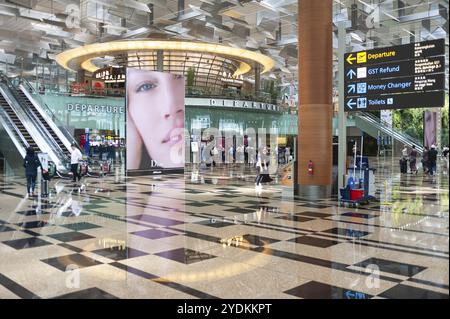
{"x": 198, "y": 204}
{"x": 408, "y": 292}
{"x": 259, "y": 240}
{"x": 4, "y": 228}
{"x": 318, "y": 290}
{"x": 33, "y": 224}
{"x": 358, "y": 215}
{"x": 116, "y": 253}
{"x": 315, "y": 205}
{"x": 314, "y": 241}
{"x": 79, "y": 260}
{"x": 153, "y": 233}
{"x": 314, "y": 214}
{"x": 347, "y": 232}
{"x": 80, "y": 226}
{"x": 156, "y": 220}
{"x": 295, "y": 218}
{"x": 215, "y": 223}
{"x": 393, "y": 267}
{"x": 185, "y": 256}
{"x": 23, "y": 243}
{"x": 32, "y": 212}
{"x": 90, "y": 293}
{"x": 70, "y": 236}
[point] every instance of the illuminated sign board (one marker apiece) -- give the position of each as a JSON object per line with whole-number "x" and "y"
{"x": 404, "y": 76}
{"x": 396, "y": 53}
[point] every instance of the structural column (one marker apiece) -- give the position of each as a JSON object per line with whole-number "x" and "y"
{"x": 257, "y": 79}
{"x": 315, "y": 98}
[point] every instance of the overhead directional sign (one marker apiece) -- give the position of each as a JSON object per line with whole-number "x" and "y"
{"x": 408, "y": 84}
{"x": 396, "y": 53}
{"x": 396, "y": 69}
{"x": 404, "y": 76}
{"x": 395, "y": 101}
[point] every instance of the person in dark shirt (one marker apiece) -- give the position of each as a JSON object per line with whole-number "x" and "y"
{"x": 432, "y": 157}
{"x": 31, "y": 164}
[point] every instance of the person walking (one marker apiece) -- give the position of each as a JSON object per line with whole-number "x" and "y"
{"x": 432, "y": 157}
{"x": 75, "y": 158}
{"x": 31, "y": 164}
{"x": 404, "y": 161}
{"x": 413, "y": 160}
{"x": 425, "y": 160}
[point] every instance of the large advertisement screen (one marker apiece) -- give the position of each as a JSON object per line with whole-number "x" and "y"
{"x": 155, "y": 121}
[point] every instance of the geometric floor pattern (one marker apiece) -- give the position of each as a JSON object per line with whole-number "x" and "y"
{"x": 210, "y": 234}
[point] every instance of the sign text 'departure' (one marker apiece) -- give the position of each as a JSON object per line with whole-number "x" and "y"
{"x": 396, "y": 53}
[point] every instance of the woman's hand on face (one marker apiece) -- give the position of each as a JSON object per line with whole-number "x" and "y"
{"x": 134, "y": 145}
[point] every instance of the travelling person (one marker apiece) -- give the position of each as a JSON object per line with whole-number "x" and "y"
{"x": 404, "y": 161}
{"x": 425, "y": 160}
{"x": 432, "y": 157}
{"x": 287, "y": 154}
{"x": 413, "y": 160}
{"x": 263, "y": 167}
{"x": 31, "y": 164}
{"x": 75, "y": 158}
{"x": 445, "y": 152}
{"x": 155, "y": 119}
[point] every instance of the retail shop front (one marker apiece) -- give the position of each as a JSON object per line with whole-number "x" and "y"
{"x": 101, "y": 120}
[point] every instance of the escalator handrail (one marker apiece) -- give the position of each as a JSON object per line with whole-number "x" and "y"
{"x": 403, "y": 137}
{"x": 46, "y": 108}
{"x": 12, "y": 130}
{"x": 378, "y": 120}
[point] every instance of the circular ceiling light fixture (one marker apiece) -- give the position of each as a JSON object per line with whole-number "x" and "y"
{"x": 81, "y": 58}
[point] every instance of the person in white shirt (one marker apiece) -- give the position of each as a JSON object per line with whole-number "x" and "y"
{"x": 75, "y": 158}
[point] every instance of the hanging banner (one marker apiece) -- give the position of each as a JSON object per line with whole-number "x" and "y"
{"x": 155, "y": 108}
{"x": 429, "y": 129}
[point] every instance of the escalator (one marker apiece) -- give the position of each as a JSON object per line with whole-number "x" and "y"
{"x": 373, "y": 126}
{"x": 33, "y": 129}
{"x": 26, "y": 102}
{"x": 16, "y": 130}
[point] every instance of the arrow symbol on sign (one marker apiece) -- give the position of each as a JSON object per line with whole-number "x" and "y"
{"x": 351, "y": 58}
{"x": 351, "y": 88}
{"x": 351, "y": 73}
{"x": 350, "y": 104}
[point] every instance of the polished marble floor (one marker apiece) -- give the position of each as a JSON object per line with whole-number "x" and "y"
{"x": 211, "y": 234}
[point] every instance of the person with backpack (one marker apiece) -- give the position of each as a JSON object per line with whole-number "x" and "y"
{"x": 413, "y": 160}
{"x": 432, "y": 158}
{"x": 31, "y": 164}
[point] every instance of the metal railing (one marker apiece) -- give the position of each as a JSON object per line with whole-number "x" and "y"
{"x": 396, "y": 134}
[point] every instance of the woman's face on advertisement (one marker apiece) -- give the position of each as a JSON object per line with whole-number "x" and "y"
{"x": 156, "y": 106}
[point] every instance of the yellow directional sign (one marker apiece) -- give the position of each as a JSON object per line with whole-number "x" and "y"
{"x": 350, "y": 58}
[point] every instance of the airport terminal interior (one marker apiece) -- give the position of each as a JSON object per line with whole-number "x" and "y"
{"x": 236, "y": 149}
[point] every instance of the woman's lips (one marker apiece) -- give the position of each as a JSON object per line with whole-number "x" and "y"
{"x": 175, "y": 136}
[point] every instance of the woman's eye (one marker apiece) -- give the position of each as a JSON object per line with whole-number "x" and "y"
{"x": 145, "y": 87}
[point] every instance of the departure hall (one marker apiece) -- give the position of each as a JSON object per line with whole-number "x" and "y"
{"x": 239, "y": 149}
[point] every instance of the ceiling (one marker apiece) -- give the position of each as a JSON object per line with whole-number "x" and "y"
{"x": 32, "y": 32}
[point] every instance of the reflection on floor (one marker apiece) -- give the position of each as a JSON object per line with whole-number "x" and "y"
{"x": 212, "y": 235}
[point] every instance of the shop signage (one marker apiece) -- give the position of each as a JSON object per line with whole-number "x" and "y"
{"x": 404, "y": 76}
{"x": 230, "y": 103}
{"x": 94, "y": 108}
